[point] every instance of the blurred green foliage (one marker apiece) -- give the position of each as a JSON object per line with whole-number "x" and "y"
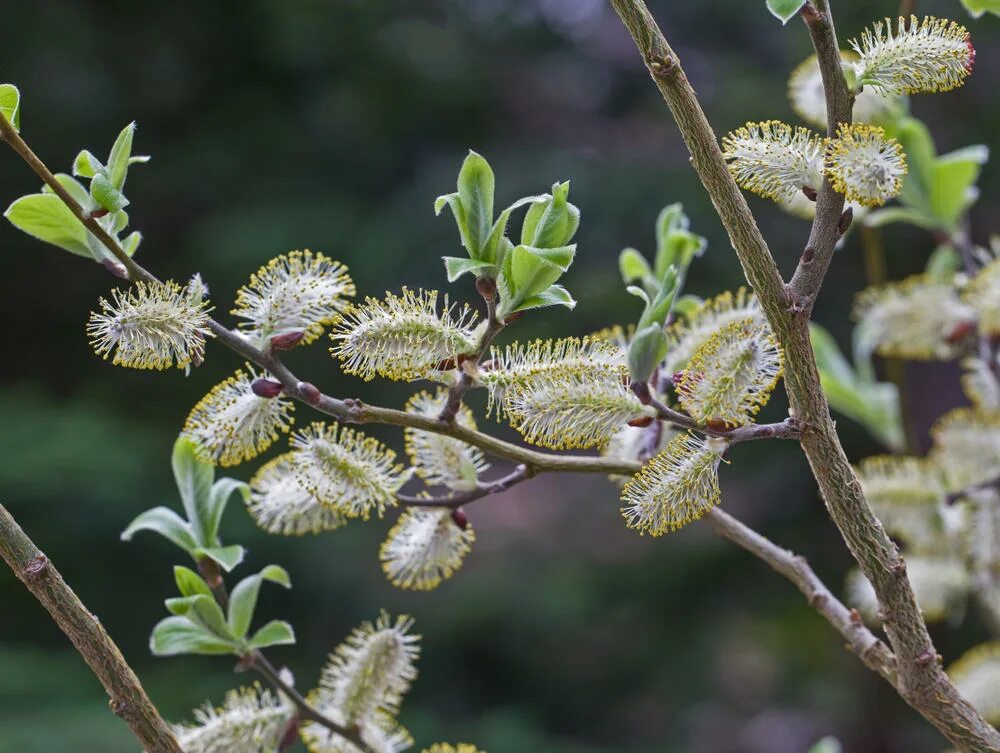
{"x": 333, "y": 125}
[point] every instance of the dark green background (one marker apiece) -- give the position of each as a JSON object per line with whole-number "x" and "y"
{"x": 333, "y": 125}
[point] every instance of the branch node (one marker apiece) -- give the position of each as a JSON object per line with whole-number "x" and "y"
{"x": 37, "y": 567}
{"x": 663, "y": 67}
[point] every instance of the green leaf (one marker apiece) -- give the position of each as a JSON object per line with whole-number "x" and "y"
{"x": 552, "y": 221}
{"x": 131, "y": 242}
{"x": 457, "y": 266}
{"x": 490, "y": 251}
{"x": 274, "y": 633}
{"x": 658, "y": 309}
{"x": 178, "y": 635}
{"x": 243, "y": 600}
{"x": 86, "y": 165}
{"x": 554, "y": 295}
{"x": 675, "y": 244}
{"x": 189, "y": 583}
{"x": 75, "y": 189}
{"x": 119, "y": 159}
{"x": 10, "y": 105}
{"x": 194, "y": 482}
{"x": 633, "y": 266}
{"x": 475, "y": 191}
{"x": 45, "y": 217}
{"x": 218, "y": 497}
{"x": 852, "y": 392}
{"x": 181, "y": 605}
{"x": 167, "y": 523}
{"x": 977, "y": 8}
{"x": 529, "y": 272}
{"x": 785, "y": 10}
{"x": 206, "y": 611}
{"x": 917, "y": 217}
{"x": 952, "y": 187}
{"x": 105, "y": 194}
{"x": 647, "y": 349}
{"x": 276, "y": 574}
{"x": 227, "y": 557}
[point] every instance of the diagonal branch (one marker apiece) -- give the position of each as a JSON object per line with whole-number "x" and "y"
{"x": 128, "y": 699}
{"x": 922, "y": 681}
{"x": 873, "y": 652}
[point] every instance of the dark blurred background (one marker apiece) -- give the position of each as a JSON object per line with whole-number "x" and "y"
{"x": 333, "y": 125}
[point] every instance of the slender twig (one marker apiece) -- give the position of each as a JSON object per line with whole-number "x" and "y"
{"x": 84, "y": 629}
{"x": 306, "y": 711}
{"x": 873, "y": 652}
{"x": 790, "y": 428}
{"x": 487, "y": 289}
{"x": 922, "y": 682}
{"x": 990, "y": 484}
{"x": 483, "y": 489}
{"x": 256, "y": 660}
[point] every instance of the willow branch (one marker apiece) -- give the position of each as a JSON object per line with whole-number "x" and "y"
{"x": 921, "y": 681}
{"x": 212, "y": 574}
{"x": 873, "y": 652}
{"x": 483, "y": 489}
{"x": 487, "y": 288}
{"x": 128, "y": 699}
{"x": 306, "y": 711}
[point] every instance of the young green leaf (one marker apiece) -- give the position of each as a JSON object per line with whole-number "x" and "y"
{"x": 218, "y": 497}
{"x": 178, "y": 635}
{"x": 274, "y": 633}
{"x": 647, "y": 349}
{"x": 105, "y": 194}
{"x": 633, "y": 266}
{"x": 529, "y": 273}
{"x": 194, "y": 482}
{"x": 86, "y": 165}
{"x": 243, "y": 600}
{"x": 45, "y": 217}
{"x": 977, "y": 8}
{"x": 227, "y": 557}
{"x": 119, "y": 160}
{"x": 475, "y": 191}
{"x": 785, "y": 10}
{"x": 10, "y": 105}
{"x": 456, "y": 266}
{"x": 189, "y": 583}
{"x": 551, "y": 221}
{"x": 167, "y": 523}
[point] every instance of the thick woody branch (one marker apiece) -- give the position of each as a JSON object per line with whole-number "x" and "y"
{"x": 921, "y": 680}
{"x": 128, "y": 699}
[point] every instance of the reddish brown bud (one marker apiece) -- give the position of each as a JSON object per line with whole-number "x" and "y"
{"x": 98, "y": 213}
{"x": 116, "y": 268}
{"x": 487, "y": 287}
{"x": 446, "y": 365}
{"x": 960, "y": 332}
{"x": 809, "y": 192}
{"x": 513, "y": 318}
{"x": 310, "y": 392}
{"x": 265, "y": 387}
{"x": 641, "y": 423}
{"x": 845, "y": 220}
{"x": 291, "y": 734}
{"x": 459, "y": 517}
{"x": 641, "y": 391}
{"x": 287, "y": 341}
{"x": 716, "y": 424}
